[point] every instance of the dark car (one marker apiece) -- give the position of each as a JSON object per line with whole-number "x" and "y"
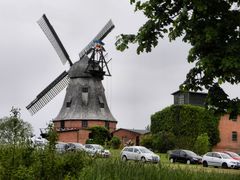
{"x": 184, "y": 156}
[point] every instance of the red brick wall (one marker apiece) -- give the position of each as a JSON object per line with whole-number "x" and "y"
{"x": 76, "y": 124}
{"x": 79, "y": 136}
{"x": 226, "y": 127}
{"x": 125, "y": 136}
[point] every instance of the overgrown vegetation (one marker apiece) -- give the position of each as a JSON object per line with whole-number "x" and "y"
{"x": 180, "y": 125}
{"x": 26, "y": 162}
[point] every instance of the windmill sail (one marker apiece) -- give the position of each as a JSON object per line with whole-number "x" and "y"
{"x": 49, "y": 93}
{"x": 54, "y": 39}
{"x": 100, "y": 36}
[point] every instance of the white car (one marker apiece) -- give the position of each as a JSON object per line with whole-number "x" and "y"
{"x": 96, "y": 149}
{"x": 218, "y": 159}
{"x": 75, "y": 147}
{"x": 139, "y": 153}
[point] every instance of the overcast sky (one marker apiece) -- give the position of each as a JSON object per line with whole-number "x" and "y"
{"x": 140, "y": 84}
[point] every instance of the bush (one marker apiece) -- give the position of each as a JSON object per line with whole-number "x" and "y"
{"x": 163, "y": 141}
{"x": 147, "y": 141}
{"x": 201, "y": 145}
{"x": 115, "y": 142}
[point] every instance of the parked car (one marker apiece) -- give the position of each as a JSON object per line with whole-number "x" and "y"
{"x": 233, "y": 155}
{"x": 96, "y": 150}
{"x": 218, "y": 159}
{"x": 75, "y": 147}
{"x": 184, "y": 156}
{"x": 61, "y": 147}
{"x": 139, "y": 153}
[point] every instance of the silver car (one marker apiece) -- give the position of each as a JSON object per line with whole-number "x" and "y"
{"x": 96, "y": 150}
{"x": 139, "y": 153}
{"x": 218, "y": 159}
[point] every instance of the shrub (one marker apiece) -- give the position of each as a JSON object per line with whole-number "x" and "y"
{"x": 147, "y": 141}
{"x": 115, "y": 142}
{"x": 201, "y": 145}
{"x": 163, "y": 141}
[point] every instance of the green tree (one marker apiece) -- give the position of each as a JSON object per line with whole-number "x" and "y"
{"x": 201, "y": 145}
{"x": 13, "y": 129}
{"x": 213, "y": 30}
{"x": 99, "y": 135}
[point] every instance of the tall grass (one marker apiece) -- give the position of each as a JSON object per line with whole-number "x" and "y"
{"x": 118, "y": 170}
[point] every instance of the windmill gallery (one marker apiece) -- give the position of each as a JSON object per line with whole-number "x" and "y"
{"x": 85, "y": 102}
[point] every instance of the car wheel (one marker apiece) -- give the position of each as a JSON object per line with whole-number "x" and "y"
{"x": 224, "y": 165}
{"x": 143, "y": 159}
{"x": 172, "y": 160}
{"x": 188, "y": 161}
{"x": 124, "y": 158}
{"x": 205, "y": 164}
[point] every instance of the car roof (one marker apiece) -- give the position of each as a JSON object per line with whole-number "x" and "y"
{"x": 134, "y": 147}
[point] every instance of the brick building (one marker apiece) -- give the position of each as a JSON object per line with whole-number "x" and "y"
{"x": 128, "y": 136}
{"x": 229, "y": 129}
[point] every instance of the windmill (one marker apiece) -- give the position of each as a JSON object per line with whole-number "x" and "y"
{"x": 85, "y": 103}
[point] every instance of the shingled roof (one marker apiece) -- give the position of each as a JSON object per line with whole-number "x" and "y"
{"x": 139, "y": 131}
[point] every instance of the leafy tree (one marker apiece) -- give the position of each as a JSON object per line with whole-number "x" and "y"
{"x": 201, "y": 145}
{"x": 213, "y": 30}
{"x": 186, "y": 122}
{"x": 14, "y": 130}
{"x": 99, "y": 135}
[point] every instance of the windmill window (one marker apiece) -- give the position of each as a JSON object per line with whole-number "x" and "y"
{"x": 234, "y": 136}
{"x": 85, "y": 89}
{"x": 84, "y": 123}
{"x": 68, "y": 103}
{"x": 101, "y": 103}
{"x": 62, "y": 125}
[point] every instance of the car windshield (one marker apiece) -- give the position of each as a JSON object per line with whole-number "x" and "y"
{"x": 225, "y": 156}
{"x": 233, "y": 154}
{"x": 190, "y": 153}
{"x": 145, "y": 150}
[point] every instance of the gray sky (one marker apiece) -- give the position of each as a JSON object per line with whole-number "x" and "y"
{"x": 140, "y": 84}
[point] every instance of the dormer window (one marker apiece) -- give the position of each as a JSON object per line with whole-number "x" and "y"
{"x": 85, "y": 89}
{"x": 68, "y": 103}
